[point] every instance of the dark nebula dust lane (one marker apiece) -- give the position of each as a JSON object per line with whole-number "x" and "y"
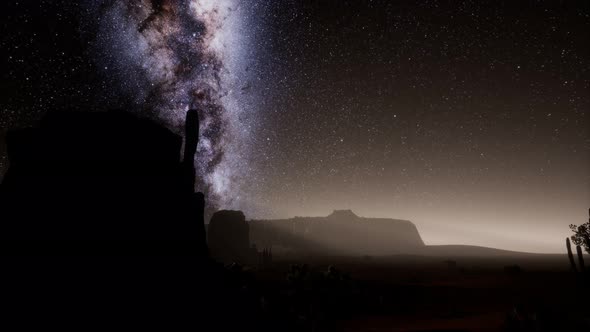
{"x": 171, "y": 56}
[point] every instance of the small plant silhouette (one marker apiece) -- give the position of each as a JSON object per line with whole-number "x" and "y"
{"x": 581, "y": 235}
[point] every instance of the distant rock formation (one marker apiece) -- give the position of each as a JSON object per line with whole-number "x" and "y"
{"x": 228, "y": 237}
{"x": 342, "y": 232}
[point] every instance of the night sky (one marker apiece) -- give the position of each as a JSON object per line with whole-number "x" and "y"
{"x": 470, "y": 118}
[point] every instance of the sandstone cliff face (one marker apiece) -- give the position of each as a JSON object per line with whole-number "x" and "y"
{"x": 342, "y": 232}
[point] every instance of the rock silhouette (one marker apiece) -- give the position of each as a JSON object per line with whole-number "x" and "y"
{"x": 101, "y": 183}
{"x": 229, "y": 236}
{"x": 340, "y": 232}
{"x": 101, "y": 227}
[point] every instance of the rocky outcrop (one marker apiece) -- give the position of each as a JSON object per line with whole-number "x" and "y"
{"x": 101, "y": 183}
{"x": 228, "y": 236}
{"x": 342, "y": 232}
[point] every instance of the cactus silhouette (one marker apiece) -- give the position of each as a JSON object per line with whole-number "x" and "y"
{"x": 191, "y": 140}
{"x": 570, "y": 255}
{"x": 581, "y": 258}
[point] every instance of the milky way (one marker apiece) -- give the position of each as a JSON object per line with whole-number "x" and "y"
{"x": 178, "y": 54}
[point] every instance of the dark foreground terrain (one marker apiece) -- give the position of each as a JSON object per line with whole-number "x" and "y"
{"x": 401, "y": 293}
{"x": 412, "y": 293}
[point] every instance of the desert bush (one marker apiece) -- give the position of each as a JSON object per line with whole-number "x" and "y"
{"x": 581, "y": 235}
{"x": 513, "y": 269}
